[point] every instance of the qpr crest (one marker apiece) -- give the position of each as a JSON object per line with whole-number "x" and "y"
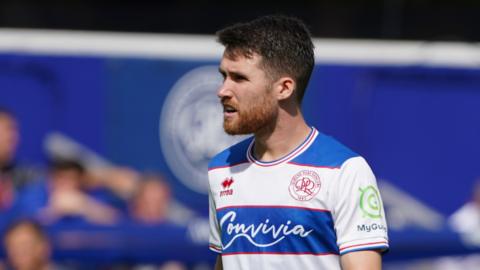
{"x": 191, "y": 126}
{"x": 304, "y": 185}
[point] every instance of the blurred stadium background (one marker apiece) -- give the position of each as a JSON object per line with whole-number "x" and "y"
{"x": 128, "y": 90}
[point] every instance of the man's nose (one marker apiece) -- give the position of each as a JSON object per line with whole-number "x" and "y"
{"x": 224, "y": 91}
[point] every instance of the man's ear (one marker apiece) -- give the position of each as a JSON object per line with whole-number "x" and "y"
{"x": 285, "y": 88}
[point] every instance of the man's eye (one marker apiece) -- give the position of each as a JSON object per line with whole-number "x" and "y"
{"x": 239, "y": 78}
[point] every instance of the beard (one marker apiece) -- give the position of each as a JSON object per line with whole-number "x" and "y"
{"x": 259, "y": 114}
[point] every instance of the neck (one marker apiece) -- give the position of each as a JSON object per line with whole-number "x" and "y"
{"x": 282, "y": 137}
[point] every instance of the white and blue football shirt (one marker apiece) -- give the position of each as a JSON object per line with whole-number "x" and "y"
{"x": 299, "y": 212}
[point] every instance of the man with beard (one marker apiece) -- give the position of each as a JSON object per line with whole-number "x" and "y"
{"x": 289, "y": 197}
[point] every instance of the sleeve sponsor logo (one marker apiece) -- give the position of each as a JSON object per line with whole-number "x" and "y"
{"x": 371, "y": 227}
{"x": 370, "y": 202}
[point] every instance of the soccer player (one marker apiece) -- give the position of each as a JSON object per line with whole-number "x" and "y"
{"x": 289, "y": 197}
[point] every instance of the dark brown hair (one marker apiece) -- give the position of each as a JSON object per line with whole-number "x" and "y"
{"x": 283, "y": 42}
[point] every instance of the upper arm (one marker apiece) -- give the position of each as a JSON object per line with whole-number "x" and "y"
{"x": 358, "y": 209}
{"x": 361, "y": 260}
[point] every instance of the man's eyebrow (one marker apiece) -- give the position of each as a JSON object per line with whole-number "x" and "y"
{"x": 237, "y": 74}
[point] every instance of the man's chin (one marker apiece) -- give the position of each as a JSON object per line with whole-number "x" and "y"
{"x": 232, "y": 129}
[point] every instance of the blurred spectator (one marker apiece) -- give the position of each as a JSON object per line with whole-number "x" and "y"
{"x": 173, "y": 265}
{"x": 116, "y": 185}
{"x": 467, "y": 218}
{"x": 27, "y": 247}
{"x": 151, "y": 202}
{"x": 13, "y": 176}
{"x": 63, "y": 195}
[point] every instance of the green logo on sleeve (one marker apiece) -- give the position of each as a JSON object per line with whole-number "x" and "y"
{"x": 370, "y": 202}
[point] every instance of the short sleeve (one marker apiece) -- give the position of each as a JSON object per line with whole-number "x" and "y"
{"x": 358, "y": 209}
{"x": 215, "y": 243}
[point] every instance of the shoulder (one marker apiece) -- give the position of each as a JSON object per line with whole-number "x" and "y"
{"x": 325, "y": 151}
{"x": 235, "y": 154}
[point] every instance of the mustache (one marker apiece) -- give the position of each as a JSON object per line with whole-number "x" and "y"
{"x": 227, "y": 102}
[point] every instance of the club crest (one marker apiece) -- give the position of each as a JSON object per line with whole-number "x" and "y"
{"x": 304, "y": 185}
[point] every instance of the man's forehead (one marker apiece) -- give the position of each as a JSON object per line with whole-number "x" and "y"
{"x": 234, "y": 52}
{"x": 238, "y": 59}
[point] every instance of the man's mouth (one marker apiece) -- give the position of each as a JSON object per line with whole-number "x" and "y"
{"x": 229, "y": 109}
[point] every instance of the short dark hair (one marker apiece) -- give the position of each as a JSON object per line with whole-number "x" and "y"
{"x": 63, "y": 164}
{"x": 283, "y": 42}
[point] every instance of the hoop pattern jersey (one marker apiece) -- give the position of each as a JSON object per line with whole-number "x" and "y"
{"x": 302, "y": 211}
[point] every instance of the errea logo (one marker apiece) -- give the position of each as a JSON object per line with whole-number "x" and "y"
{"x": 226, "y": 186}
